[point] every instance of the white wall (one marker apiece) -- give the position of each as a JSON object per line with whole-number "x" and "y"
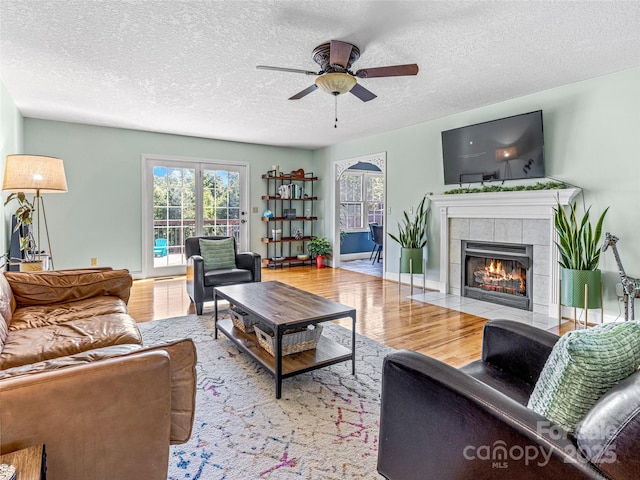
{"x": 11, "y": 142}
{"x": 591, "y": 133}
{"x": 101, "y": 215}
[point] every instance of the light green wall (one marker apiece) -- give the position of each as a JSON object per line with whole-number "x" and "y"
{"x": 591, "y": 128}
{"x": 101, "y": 214}
{"x": 591, "y": 131}
{"x": 11, "y": 141}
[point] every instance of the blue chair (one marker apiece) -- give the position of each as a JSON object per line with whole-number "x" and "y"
{"x": 371, "y": 234}
{"x": 160, "y": 248}
{"x": 378, "y": 241}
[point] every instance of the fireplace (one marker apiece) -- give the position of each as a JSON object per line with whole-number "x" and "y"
{"x": 498, "y": 272}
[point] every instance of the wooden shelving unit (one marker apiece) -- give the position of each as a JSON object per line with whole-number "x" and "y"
{"x": 288, "y": 192}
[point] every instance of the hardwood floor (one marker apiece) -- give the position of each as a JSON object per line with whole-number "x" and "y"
{"x": 384, "y": 315}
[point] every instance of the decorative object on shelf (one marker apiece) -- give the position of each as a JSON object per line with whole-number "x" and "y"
{"x": 579, "y": 247}
{"x": 297, "y": 234}
{"x": 276, "y": 170}
{"x": 267, "y": 213}
{"x": 284, "y": 191}
{"x": 276, "y": 234}
{"x": 319, "y": 247}
{"x": 630, "y": 286}
{"x": 290, "y": 213}
{"x": 303, "y": 257}
{"x": 412, "y": 237}
{"x": 36, "y": 174}
{"x": 299, "y": 173}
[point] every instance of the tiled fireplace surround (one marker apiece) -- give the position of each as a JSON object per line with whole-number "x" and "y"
{"x": 520, "y": 217}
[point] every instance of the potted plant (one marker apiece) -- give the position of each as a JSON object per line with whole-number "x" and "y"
{"x": 319, "y": 247}
{"x": 412, "y": 237}
{"x": 24, "y": 218}
{"x": 579, "y": 247}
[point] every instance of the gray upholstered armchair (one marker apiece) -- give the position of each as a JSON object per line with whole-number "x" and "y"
{"x": 201, "y": 282}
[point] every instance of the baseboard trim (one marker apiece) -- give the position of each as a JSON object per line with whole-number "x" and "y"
{"x": 345, "y": 257}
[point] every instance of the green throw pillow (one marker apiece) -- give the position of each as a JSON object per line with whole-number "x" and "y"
{"x": 218, "y": 254}
{"x": 583, "y": 365}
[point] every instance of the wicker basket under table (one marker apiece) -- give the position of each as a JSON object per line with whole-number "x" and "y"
{"x": 291, "y": 342}
{"x": 242, "y": 320}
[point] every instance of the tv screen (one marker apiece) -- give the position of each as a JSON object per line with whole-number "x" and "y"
{"x": 510, "y": 148}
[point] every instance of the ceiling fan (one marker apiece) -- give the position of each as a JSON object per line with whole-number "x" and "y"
{"x": 335, "y": 77}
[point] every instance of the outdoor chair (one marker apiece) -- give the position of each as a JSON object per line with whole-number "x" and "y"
{"x": 160, "y": 248}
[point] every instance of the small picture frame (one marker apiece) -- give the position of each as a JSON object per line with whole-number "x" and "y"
{"x": 290, "y": 213}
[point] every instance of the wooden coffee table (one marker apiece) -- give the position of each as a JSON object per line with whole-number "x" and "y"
{"x": 30, "y": 462}
{"x": 281, "y": 308}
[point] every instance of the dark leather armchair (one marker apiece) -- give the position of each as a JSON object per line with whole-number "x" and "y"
{"x": 444, "y": 423}
{"x": 200, "y": 283}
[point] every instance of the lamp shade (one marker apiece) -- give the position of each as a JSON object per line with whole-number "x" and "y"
{"x": 335, "y": 83}
{"x": 34, "y": 173}
{"x": 506, "y": 154}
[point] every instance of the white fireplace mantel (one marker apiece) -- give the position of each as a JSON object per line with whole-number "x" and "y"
{"x": 524, "y": 204}
{"x": 516, "y": 204}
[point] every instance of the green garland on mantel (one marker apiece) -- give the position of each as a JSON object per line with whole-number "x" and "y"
{"x": 501, "y": 188}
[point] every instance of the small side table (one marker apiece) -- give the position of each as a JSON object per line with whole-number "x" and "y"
{"x": 30, "y": 462}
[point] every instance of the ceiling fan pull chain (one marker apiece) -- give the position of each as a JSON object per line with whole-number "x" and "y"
{"x": 335, "y": 96}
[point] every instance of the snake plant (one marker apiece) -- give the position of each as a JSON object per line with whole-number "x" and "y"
{"x": 413, "y": 234}
{"x": 578, "y": 243}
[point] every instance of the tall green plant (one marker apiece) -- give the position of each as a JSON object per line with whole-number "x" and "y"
{"x": 413, "y": 234}
{"x": 24, "y": 217}
{"x": 578, "y": 243}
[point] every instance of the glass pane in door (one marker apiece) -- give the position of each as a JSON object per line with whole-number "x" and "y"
{"x": 174, "y": 213}
{"x": 221, "y": 203}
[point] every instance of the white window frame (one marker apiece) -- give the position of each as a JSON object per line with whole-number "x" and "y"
{"x": 365, "y": 174}
{"x": 147, "y": 162}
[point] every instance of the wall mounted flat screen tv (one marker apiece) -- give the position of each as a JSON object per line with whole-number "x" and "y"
{"x": 509, "y": 148}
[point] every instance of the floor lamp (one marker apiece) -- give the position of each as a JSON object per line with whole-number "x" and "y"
{"x": 504, "y": 155}
{"x": 35, "y": 174}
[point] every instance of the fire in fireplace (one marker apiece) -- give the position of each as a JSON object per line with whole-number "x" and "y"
{"x": 505, "y": 276}
{"x": 498, "y": 272}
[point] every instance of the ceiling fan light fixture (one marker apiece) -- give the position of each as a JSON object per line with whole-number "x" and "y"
{"x": 335, "y": 83}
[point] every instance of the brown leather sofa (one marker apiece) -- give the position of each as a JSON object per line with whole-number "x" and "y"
{"x": 75, "y": 377}
{"x": 444, "y": 423}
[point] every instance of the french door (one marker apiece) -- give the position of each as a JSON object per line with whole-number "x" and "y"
{"x": 185, "y": 198}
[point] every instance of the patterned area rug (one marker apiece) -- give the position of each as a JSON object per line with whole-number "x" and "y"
{"x": 325, "y": 426}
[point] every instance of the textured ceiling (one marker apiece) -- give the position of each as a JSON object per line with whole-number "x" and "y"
{"x": 188, "y": 67}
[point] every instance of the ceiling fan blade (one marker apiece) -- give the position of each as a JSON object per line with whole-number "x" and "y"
{"x": 304, "y": 92}
{"x": 282, "y": 69}
{"x": 362, "y": 93}
{"x": 392, "y": 71}
{"x": 339, "y": 53}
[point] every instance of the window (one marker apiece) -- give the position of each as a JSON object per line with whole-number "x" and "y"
{"x": 361, "y": 199}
